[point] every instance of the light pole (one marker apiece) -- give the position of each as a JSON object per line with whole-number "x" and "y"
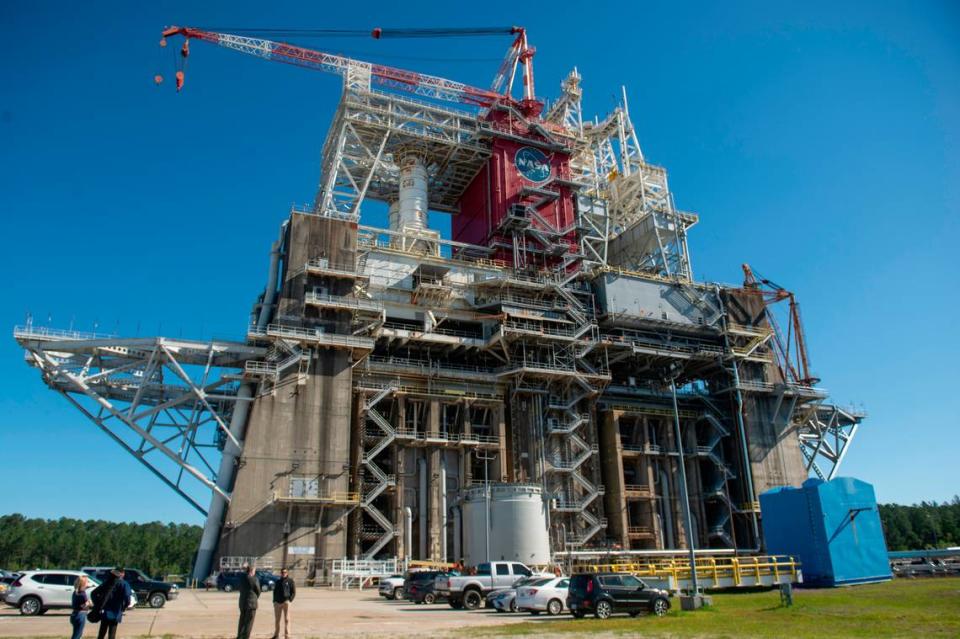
{"x": 684, "y": 499}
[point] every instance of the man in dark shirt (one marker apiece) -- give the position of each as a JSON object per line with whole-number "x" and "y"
{"x": 284, "y": 593}
{"x": 249, "y": 593}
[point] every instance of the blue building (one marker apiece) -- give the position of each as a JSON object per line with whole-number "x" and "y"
{"x": 832, "y": 527}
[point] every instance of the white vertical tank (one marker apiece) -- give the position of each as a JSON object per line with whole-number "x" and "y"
{"x": 411, "y": 210}
{"x": 517, "y": 524}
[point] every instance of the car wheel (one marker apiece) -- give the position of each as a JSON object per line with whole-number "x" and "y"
{"x": 228, "y": 588}
{"x": 513, "y": 606}
{"x": 554, "y": 608}
{"x": 157, "y": 600}
{"x": 456, "y": 605}
{"x": 429, "y": 598}
{"x": 603, "y": 610}
{"x": 660, "y": 607}
{"x": 472, "y": 600}
{"x": 30, "y": 606}
{"x": 398, "y": 593}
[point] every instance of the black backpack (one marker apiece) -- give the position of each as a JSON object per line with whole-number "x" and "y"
{"x": 100, "y": 599}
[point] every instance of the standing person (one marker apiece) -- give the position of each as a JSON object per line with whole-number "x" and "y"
{"x": 249, "y": 593}
{"x": 110, "y": 599}
{"x": 283, "y": 594}
{"x": 79, "y": 604}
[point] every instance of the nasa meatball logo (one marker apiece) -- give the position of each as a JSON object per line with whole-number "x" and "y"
{"x": 532, "y": 164}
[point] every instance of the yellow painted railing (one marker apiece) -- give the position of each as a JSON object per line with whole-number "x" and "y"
{"x": 714, "y": 569}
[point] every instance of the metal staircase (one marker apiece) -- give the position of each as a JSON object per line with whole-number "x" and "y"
{"x": 383, "y": 481}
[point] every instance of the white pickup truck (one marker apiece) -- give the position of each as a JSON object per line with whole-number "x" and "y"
{"x": 468, "y": 591}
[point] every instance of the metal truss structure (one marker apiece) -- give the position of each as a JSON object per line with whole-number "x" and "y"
{"x": 645, "y": 231}
{"x": 826, "y": 432}
{"x": 375, "y": 130}
{"x": 165, "y": 401}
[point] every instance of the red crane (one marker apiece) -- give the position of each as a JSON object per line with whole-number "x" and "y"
{"x": 791, "y": 348}
{"x": 399, "y": 79}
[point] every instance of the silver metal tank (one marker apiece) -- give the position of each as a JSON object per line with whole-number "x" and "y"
{"x": 517, "y": 524}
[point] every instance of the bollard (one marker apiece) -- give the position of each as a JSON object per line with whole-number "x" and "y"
{"x": 786, "y": 595}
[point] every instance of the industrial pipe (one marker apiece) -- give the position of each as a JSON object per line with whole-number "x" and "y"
{"x": 422, "y": 507}
{"x": 457, "y": 533}
{"x": 742, "y": 431}
{"x": 443, "y": 506}
{"x": 238, "y": 423}
{"x": 408, "y": 527}
{"x": 666, "y": 506}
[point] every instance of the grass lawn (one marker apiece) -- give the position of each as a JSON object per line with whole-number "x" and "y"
{"x": 900, "y": 608}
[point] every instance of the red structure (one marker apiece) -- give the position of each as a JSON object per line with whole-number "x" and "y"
{"x": 521, "y": 202}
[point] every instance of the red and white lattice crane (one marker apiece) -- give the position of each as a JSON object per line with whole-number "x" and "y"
{"x": 520, "y": 54}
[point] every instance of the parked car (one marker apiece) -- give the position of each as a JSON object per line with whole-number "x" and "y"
{"x": 418, "y": 586}
{"x": 392, "y": 587}
{"x": 230, "y": 581}
{"x": 468, "y": 591}
{"x": 543, "y": 595}
{"x": 36, "y": 591}
{"x": 605, "y": 594}
{"x": 505, "y": 599}
{"x": 5, "y": 582}
{"x": 153, "y": 592}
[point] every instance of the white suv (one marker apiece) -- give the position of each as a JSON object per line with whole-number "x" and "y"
{"x": 37, "y": 591}
{"x": 392, "y": 587}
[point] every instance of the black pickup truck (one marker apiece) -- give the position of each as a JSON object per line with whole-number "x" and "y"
{"x": 148, "y": 591}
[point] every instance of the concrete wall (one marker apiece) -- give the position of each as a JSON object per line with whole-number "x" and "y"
{"x": 302, "y": 428}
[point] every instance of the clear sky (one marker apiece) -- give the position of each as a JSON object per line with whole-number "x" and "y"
{"x": 818, "y": 141}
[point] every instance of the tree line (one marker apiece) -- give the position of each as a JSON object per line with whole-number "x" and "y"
{"x": 155, "y": 548}
{"x": 921, "y": 526}
{"x": 163, "y": 549}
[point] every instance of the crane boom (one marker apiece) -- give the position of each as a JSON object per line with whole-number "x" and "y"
{"x": 399, "y": 79}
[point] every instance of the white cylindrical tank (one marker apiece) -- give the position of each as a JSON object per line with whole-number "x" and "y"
{"x": 517, "y": 524}
{"x": 412, "y": 204}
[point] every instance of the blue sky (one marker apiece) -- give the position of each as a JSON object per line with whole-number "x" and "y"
{"x": 818, "y": 142}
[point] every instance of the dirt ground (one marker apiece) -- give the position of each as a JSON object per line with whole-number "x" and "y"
{"x": 315, "y": 613}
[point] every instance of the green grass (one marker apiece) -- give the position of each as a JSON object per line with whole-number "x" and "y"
{"x": 902, "y": 608}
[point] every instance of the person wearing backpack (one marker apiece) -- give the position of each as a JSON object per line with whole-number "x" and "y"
{"x": 110, "y": 599}
{"x": 249, "y": 593}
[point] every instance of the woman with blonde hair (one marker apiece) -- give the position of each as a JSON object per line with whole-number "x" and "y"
{"x": 79, "y": 605}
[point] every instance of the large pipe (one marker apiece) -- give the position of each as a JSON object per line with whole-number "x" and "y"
{"x": 443, "y": 506}
{"x": 408, "y": 527}
{"x": 422, "y": 507}
{"x": 457, "y": 533}
{"x": 741, "y": 429}
{"x": 667, "y": 512}
{"x": 684, "y": 497}
{"x": 238, "y": 423}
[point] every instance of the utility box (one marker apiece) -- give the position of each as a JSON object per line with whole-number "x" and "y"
{"x": 833, "y": 528}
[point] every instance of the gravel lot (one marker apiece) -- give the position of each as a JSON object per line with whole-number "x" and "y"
{"x": 316, "y": 612}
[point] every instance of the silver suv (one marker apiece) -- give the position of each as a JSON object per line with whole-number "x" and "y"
{"x": 37, "y": 591}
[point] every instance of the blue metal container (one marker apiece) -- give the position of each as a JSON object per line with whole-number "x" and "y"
{"x": 832, "y": 527}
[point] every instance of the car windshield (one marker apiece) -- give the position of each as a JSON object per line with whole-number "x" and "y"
{"x": 540, "y": 582}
